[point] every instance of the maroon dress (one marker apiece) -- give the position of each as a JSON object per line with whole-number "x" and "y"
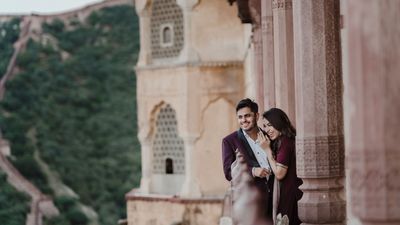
{"x": 289, "y": 185}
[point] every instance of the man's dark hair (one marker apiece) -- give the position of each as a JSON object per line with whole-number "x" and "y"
{"x": 247, "y": 103}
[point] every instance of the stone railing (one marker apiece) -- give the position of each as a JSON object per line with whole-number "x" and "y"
{"x": 242, "y": 205}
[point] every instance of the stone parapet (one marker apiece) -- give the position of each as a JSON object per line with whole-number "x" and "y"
{"x": 167, "y": 210}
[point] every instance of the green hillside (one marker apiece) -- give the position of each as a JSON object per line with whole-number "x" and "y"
{"x": 14, "y": 204}
{"x": 9, "y": 32}
{"x": 74, "y": 104}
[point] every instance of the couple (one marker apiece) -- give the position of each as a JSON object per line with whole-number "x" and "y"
{"x": 270, "y": 155}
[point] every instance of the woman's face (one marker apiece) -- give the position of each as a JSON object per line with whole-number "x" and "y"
{"x": 271, "y": 131}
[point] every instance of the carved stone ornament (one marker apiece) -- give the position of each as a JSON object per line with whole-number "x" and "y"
{"x": 281, "y": 4}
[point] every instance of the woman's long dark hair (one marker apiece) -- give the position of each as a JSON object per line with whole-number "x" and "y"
{"x": 280, "y": 121}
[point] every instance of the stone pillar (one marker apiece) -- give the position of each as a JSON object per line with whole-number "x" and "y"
{"x": 147, "y": 164}
{"x": 268, "y": 53}
{"x": 284, "y": 56}
{"x": 319, "y": 114}
{"x": 191, "y": 186}
{"x": 145, "y": 40}
{"x": 188, "y": 53}
{"x": 255, "y": 12}
{"x": 372, "y": 89}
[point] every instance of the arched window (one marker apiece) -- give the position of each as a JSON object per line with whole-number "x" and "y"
{"x": 169, "y": 166}
{"x": 167, "y": 35}
{"x": 167, "y": 144}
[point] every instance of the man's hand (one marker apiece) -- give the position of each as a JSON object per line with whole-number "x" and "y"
{"x": 260, "y": 172}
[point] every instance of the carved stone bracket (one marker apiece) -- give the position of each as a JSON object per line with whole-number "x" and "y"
{"x": 281, "y": 4}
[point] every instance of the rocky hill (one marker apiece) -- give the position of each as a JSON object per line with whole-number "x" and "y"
{"x": 68, "y": 111}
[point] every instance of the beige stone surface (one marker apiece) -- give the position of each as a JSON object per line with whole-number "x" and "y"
{"x": 167, "y": 211}
{"x": 209, "y": 93}
{"x": 208, "y": 151}
{"x": 217, "y": 35}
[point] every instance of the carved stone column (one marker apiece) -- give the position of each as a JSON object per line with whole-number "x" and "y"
{"x": 188, "y": 53}
{"x": 374, "y": 107}
{"x": 255, "y": 12}
{"x": 319, "y": 114}
{"x": 145, "y": 40}
{"x": 191, "y": 185}
{"x": 284, "y": 54}
{"x": 267, "y": 30}
{"x": 147, "y": 163}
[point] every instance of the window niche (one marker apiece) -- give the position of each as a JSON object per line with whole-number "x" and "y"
{"x": 169, "y": 166}
{"x": 166, "y": 35}
{"x": 168, "y": 147}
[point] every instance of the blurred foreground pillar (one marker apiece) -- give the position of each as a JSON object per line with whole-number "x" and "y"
{"x": 373, "y": 91}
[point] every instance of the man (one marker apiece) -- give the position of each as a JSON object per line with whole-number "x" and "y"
{"x": 245, "y": 141}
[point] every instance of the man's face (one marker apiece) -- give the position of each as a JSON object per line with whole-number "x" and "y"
{"x": 247, "y": 119}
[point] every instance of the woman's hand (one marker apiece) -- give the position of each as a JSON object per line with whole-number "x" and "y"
{"x": 263, "y": 141}
{"x": 260, "y": 172}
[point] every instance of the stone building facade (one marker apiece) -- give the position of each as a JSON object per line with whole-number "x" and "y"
{"x": 331, "y": 65}
{"x": 189, "y": 78}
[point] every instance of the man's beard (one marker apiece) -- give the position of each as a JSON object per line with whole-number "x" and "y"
{"x": 252, "y": 126}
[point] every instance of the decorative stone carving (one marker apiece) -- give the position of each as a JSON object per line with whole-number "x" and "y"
{"x": 320, "y": 156}
{"x": 167, "y": 144}
{"x": 319, "y": 120}
{"x": 281, "y": 4}
{"x": 166, "y": 13}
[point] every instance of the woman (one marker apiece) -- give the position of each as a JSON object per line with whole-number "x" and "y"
{"x": 281, "y": 151}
